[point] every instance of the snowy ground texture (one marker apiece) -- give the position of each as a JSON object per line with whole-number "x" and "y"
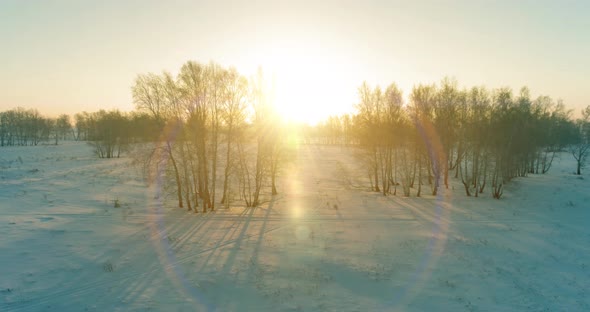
{"x": 323, "y": 244}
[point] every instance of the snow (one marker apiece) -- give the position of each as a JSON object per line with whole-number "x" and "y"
{"x": 324, "y": 244}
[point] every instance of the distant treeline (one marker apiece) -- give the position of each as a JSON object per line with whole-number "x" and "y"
{"x": 22, "y": 127}
{"x": 111, "y": 132}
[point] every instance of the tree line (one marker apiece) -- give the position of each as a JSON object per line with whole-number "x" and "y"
{"x": 22, "y": 127}
{"x": 108, "y": 131}
{"x": 217, "y": 136}
{"x": 482, "y": 137}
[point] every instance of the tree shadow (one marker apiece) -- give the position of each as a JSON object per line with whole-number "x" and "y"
{"x": 235, "y": 226}
{"x": 261, "y": 232}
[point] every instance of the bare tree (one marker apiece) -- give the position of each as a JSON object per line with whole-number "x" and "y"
{"x": 234, "y": 117}
{"x": 159, "y": 97}
{"x": 581, "y": 147}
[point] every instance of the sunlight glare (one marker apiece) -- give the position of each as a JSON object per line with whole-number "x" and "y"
{"x": 296, "y": 212}
{"x": 307, "y": 83}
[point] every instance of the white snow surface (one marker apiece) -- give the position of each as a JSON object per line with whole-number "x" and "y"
{"x": 325, "y": 243}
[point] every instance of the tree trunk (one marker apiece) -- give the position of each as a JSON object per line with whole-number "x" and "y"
{"x": 176, "y": 175}
{"x": 274, "y": 188}
{"x": 419, "y": 177}
{"x": 227, "y": 164}
{"x": 214, "y": 166}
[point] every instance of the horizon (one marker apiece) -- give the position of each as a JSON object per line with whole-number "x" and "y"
{"x": 68, "y": 57}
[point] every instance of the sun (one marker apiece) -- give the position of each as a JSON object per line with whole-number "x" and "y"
{"x": 308, "y": 86}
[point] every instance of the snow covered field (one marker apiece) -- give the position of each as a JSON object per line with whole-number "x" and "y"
{"x": 323, "y": 244}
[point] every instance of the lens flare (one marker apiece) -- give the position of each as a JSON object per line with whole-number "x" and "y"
{"x": 296, "y": 212}
{"x": 166, "y": 255}
{"x": 440, "y": 226}
{"x": 425, "y": 266}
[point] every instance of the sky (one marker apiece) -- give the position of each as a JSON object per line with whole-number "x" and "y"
{"x": 69, "y": 56}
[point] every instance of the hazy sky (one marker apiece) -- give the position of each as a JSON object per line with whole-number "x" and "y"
{"x": 69, "y": 56}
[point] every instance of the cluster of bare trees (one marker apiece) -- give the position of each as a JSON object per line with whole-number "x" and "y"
{"x": 22, "y": 127}
{"x": 581, "y": 140}
{"x": 333, "y": 130}
{"x": 219, "y": 131}
{"x": 111, "y": 132}
{"x": 483, "y": 137}
{"x": 108, "y": 132}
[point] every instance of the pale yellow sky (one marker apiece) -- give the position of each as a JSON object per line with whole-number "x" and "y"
{"x": 69, "y": 56}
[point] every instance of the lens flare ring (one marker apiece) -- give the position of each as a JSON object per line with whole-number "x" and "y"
{"x": 440, "y": 226}
{"x": 422, "y": 273}
{"x": 166, "y": 255}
